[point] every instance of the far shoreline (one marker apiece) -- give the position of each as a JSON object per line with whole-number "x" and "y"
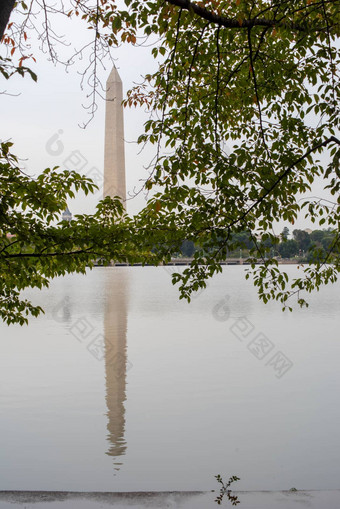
{"x": 177, "y": 262}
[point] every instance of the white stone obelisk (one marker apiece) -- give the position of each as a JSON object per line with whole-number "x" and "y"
{"x": 114, "y": 157}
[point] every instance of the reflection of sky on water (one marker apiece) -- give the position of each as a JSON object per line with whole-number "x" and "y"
{"x": 191, "y": 399}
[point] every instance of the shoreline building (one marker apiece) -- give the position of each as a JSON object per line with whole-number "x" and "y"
{"x": 114, "y": 156}
{"x": 66, "y": 215}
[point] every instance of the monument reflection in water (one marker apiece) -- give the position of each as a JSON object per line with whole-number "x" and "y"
{"x": 116, "y": 362}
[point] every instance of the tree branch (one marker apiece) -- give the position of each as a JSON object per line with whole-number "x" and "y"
{"x": 190, "y": 71}
{"x": 256, "y": 91}
{"x": 6, "y": 7}
{"x": 49, "y": 255}
{"x": 283, "y": 175}
{"x": 217, "y": 87}
{"x": 232, "y": 22}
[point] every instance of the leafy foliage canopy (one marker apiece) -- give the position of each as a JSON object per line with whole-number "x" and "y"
{"x": 244, "y": 118}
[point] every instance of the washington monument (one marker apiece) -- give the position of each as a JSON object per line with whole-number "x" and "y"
{"x": 114, "y": 157}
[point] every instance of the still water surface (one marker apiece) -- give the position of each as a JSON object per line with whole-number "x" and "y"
{"x": 120, "y": 386}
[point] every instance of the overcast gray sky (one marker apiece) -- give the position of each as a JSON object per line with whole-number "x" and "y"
{"x": 43, "y": 120}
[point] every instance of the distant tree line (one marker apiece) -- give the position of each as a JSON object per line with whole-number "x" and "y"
{"x": 304, "y": 246}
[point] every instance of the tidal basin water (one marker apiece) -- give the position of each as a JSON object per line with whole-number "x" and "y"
{"x": 122, "y": 387}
